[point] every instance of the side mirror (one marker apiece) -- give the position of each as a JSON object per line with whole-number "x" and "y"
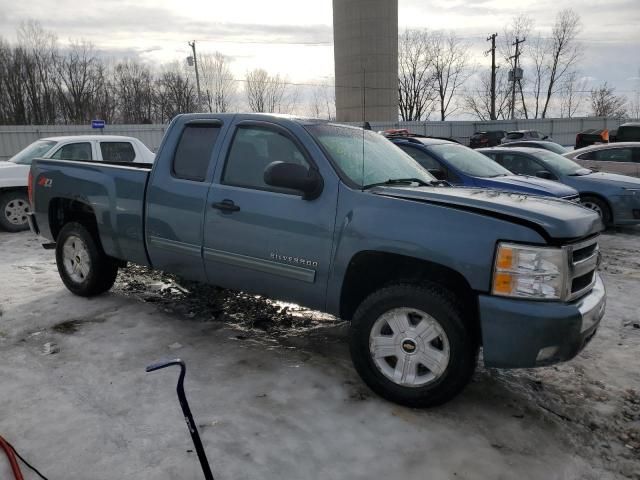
{"x": 545, "y": 137}
{"x": 545, "y": 174}
{"x": 439, "y": 174}
{"x": 294, "y": 177}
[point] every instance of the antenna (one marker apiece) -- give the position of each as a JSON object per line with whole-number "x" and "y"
{"x": 364, "y": 117}
{"x": 364, "y": 94}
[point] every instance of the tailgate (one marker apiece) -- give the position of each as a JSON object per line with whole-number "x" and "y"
{"x": 112, "y": 193}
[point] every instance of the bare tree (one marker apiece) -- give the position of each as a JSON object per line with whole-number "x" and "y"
{"x": 13, "y": 94}
{"x": 39, "y": 76}
{"x": 323, "y": 102}
{"x": 450, "y": 69}
{"x": 80, "y": 78}
{"x": 174, "y": 93}
{"x": 605, "y": 103}
{"x": 133, "y": 89}
{"x": 564, "y": 52}
{"x": 416, "y": 80}
{"x": 478, "y": 101}
{"x": 266, "y": 93}
{"x": 217, "y": 81}
{"x": 571, "y": 97}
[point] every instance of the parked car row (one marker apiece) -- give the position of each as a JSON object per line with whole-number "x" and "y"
{"x": 14, "y": 205}
{"x": 492, "y": 138}
{"x": 462, "y": 166}
{"x": 536, "y": 168}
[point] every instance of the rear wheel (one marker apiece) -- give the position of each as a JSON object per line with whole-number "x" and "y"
{"x": 82, "y": 264}
{"x": 599, "y": 206}
{"x": 14, "y": 207}
{"x": 410, "y": 345}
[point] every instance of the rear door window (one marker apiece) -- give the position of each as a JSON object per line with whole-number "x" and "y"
{"x": 117, "y": 152}
{"x": 613, "y": 155}
{"x": 193, "y": 153}
{"x": 74, "y": 151}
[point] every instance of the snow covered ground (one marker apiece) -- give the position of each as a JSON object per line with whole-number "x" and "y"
{"x": 273, "y": 391}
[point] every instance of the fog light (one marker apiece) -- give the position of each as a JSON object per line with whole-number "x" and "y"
{"x": 546, "y": 353}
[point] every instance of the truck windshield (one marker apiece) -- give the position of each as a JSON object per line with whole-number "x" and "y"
{"x": 35, "y": 150}
{"x": 383, "y": 161}
{"x": 469, "y": 161}
{"x": 561, "y": 164}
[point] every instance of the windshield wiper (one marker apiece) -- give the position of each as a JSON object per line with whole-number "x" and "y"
{"x": 401, "y": 181}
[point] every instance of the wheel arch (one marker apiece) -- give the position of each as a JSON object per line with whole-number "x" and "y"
{"x": 601, "y": 197}
{"x": 4, "y": 190}
{"x": 64, "y": 210}
{"x": 371, "y": 270}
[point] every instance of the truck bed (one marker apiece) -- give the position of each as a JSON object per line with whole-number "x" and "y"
{"x": 115, "y": 192}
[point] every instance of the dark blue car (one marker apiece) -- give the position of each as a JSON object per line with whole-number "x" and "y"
{"x": 463, "y": 166}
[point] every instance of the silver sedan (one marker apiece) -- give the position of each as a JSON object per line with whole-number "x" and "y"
{"x": 623, "y": 157}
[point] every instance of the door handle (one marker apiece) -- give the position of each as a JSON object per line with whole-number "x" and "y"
{"x": 226, "y": 206}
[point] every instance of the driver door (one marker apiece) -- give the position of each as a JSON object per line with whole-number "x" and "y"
{"x": 261, "y": 239}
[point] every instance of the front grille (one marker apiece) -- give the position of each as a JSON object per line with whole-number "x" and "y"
{"x": 583, "y": 262}
{"x": 580, "y": 283}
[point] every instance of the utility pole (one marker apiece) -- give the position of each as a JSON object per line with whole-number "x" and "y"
{"x": 195, "y": 62}
{"x": 514, "y": 75}
{"x": 493, "y": 74}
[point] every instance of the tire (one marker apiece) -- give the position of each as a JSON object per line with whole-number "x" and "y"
{"x": 455, "y": 346}
{"x": 82, "y": 264}
{"x": 14, "y": 206}
{"x": 599, "y": 206}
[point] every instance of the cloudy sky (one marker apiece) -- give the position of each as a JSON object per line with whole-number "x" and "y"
{"x": 294, "y": 37}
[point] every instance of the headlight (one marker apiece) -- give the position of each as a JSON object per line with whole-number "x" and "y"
{"x": 523, "y": 271}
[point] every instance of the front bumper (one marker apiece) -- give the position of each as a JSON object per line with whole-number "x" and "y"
{"x": 33, "y": 225}
{"x": 524, "y": 333}
{"x": 626, "y": 209}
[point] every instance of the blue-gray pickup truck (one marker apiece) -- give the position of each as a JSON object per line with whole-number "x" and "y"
{"x": 338, "y": 219}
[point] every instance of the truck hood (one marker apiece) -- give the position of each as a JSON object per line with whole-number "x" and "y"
{"x": 532, "y": 185}
{"x": 13, "y": 175}
{"x": 552, "y": 218}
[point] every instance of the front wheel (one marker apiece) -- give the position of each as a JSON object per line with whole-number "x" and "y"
{"x": 82, "y": 264}
{"x": 599, "y": 206}
{"x": 410, "y": 345}
{"x": 14, "y": 208}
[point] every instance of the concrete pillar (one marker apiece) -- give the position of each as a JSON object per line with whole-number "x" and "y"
{"x": 366, "y": 54}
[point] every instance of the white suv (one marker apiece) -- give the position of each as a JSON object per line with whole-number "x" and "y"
{"x": 14, "y": 204}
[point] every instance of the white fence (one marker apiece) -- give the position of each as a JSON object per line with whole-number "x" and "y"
{"x": 562, "y": 130}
